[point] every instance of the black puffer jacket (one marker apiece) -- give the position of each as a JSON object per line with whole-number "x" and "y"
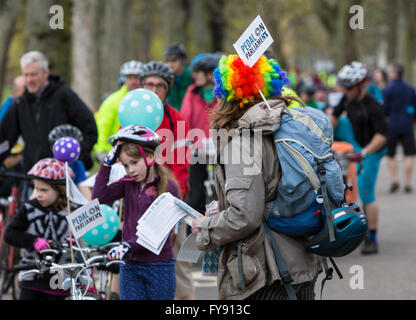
{"x": 34, "y": 117}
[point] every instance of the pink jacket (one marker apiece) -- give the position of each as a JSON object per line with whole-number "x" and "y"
{"x": 196, "y": 110}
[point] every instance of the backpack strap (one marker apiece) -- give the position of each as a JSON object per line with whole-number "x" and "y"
{"x": 329, "y": 271}
{"x": 322, "y": 172}
{"x": 240, "y": 264}
{"x": 281, "y": 265}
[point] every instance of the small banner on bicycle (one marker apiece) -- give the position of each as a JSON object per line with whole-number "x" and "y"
{"x": 85, "y": 218}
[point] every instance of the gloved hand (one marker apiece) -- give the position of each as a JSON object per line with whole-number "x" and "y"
{"x": 100, "y": 156}
{"x": 113, "y": 154}
{"x": 41, "y": 244}
{"x": 117, "y": 253}
{"x": 357, "y": 156}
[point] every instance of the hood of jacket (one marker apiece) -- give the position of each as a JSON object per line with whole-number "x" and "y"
{"x": 54, "y": 83}
{"x": 261, "y": 117}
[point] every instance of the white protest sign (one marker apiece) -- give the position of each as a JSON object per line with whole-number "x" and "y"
{"x": 85, "y": 218}
{"x": 253, "y": 42}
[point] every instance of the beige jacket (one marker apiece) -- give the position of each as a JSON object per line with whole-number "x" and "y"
{"x": 243, "y": 188}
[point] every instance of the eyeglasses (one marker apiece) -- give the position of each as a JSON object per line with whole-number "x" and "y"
{"x": 151, "y": 85}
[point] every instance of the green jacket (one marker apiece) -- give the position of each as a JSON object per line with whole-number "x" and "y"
{"x": 107, "y": 119}
{"x": 177, "y": 92}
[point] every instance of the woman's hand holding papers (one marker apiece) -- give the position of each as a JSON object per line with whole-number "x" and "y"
{"x": 195, "y": 223}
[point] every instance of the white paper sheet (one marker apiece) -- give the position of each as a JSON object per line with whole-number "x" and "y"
{"x": 154, "y": 227}
{"x": 189, "y": 251}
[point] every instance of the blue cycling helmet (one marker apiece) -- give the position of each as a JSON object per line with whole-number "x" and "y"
{"x": 206, "y": 62}
{"x": 350, "y": 228}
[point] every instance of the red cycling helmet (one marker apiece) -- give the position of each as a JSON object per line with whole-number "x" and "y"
{"x": 50, "y": 169}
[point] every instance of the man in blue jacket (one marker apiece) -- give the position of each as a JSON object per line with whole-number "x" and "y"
{"x": 400, "y": 107}
{"x": 17, "y": 91}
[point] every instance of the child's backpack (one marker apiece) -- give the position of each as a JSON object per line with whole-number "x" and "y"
{"x": 311, "y": 193}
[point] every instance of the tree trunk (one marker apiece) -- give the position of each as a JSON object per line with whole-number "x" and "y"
{"x": 201, "y": 32}
{"x": 9, "y": 10}
{"x": 53, "y": 43}
{"x": 85, "y": 44}
{"x": 116, "y": 42}
{"x": 216, "y": 23}
{"x": 175, "y": 21}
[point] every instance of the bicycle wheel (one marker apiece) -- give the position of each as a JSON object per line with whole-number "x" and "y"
{"x": 4, "y": 271}
{"x": 14, "y": 279}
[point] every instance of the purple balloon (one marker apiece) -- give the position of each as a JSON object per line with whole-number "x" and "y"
{"x": 66, "y": 149}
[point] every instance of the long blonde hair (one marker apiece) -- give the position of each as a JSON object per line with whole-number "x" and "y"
{"x": 132, "y": 150}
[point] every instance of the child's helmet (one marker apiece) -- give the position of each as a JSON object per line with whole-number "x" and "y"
{"x": 51, "y": 170}
{"x": 136, "y": 134}
{"x": 350, "y": 228}
{"x": 65, "y": 130}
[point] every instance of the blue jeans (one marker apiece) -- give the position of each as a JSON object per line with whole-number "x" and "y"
{"x": 147, "y": 281}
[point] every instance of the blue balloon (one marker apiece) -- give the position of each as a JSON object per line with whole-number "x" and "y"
{"x": 106, "y": 231}
{"x": 141, "y": 107}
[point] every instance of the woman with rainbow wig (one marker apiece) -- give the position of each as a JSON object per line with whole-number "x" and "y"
{"x": 247, "y": 174}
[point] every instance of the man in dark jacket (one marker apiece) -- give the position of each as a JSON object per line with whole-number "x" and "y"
{"x": 400, "y": 108}
{"x": 46, "y": 103}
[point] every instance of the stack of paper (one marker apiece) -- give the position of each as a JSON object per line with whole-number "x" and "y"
{"x": 154, "y": 227}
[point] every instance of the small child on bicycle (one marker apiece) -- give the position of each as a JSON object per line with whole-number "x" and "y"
{"x": 39, "y": 222}
{"x": 145, "y": 275}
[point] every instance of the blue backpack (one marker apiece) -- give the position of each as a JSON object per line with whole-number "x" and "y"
{"x": 311, "y": 176}
{"x": 311, "y": 194}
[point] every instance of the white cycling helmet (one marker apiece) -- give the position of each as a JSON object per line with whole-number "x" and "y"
{"x": 136, "y": 134}
{"x": 352, "y": 74}
{"x": 130, "y": 67}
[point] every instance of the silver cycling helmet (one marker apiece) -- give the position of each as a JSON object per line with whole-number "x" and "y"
{"x": 130, "y": 67}
{"x": 157, "y": 68}
{"x": 65, "y": 130}
{"x": 352, "y": 74}
{"x": 136, "y": 134}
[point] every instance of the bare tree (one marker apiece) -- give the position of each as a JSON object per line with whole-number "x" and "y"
{"x": 9, "y": 11}
{"x": 54, "y": 43}
{"x": 85, "y": 45}
{"x": 116, "y": 43}
{"x": 176, "y": 17}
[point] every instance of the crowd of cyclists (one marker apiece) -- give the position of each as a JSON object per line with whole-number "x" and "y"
{"x": 372, "y": 111}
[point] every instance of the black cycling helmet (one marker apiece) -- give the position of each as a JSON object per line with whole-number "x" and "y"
{"x": 176, "y": 49}
{"x": 207, "y": 63}
{"x": 65, "y": 130}
{"x": 157, "y": 68}
{"x": 308, "y": 87}
{"x": 352, "y": 74}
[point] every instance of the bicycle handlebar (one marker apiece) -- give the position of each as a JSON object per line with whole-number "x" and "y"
{"x": 15, "y": 175}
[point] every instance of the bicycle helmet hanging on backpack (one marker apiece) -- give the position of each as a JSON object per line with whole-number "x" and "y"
{"x": 350, "y": 227}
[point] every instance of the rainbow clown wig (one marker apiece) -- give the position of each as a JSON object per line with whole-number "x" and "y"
{"x": 237, "y": 82}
